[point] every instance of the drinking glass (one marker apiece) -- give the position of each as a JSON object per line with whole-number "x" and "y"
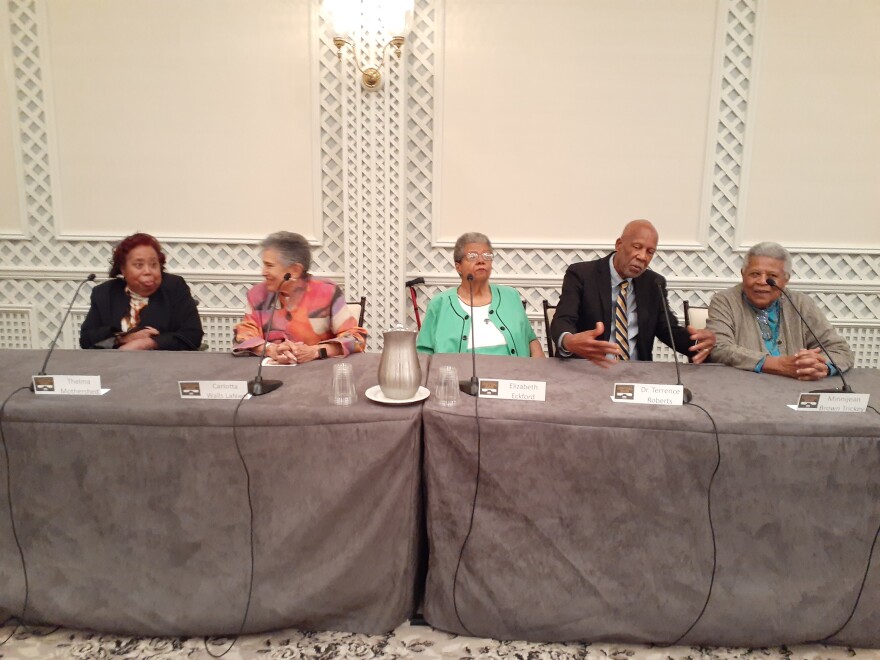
{"x": 342, "y": 392}
{"x": 447, "y": 387}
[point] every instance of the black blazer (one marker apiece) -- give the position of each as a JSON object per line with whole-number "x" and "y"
{"x": 586, "y": 300}
{"x": 172, "y": 311}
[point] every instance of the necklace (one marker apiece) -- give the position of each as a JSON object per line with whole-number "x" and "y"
{"x": 763, "y": 318}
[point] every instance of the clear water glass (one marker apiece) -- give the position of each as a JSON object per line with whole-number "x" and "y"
{"x": 447, "y": 387}
{"x": 342, "y": 392}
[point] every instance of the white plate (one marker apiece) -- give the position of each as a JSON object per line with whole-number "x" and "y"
{"x": 375, "y": 394}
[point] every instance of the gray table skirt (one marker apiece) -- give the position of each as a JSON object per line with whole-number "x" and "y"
{"x": 132, "y": 508}
{"x": 592, "y": 520}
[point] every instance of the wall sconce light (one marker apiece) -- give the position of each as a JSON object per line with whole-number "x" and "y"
{"x": 388, "y": 19}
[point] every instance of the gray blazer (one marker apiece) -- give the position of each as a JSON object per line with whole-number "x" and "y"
{"x": 739, "y": 338}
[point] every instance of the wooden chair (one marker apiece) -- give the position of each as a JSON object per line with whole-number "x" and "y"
{"x": 358, "y": 309}
{"x": 549, "y": 311}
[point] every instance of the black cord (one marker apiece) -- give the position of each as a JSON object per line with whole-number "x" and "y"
{"x": 247, "y": 475}
{"x": 861, "y": 586}
{"x": 858, "y": 595}
{"x": 18, "y": 619}
{"x": 471, "y": 523}
{"x": 711, "y": 528}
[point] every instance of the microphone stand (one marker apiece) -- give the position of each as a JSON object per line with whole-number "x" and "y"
{"x": 472, "y": 386}
{"x": 687, "y": 395}
{"x": 90, "y": 278}
{"x": 846, "y": 388}
{"x": 258, "y": 386}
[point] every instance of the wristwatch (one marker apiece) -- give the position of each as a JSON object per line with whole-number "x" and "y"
{"x": 322, "y": 353}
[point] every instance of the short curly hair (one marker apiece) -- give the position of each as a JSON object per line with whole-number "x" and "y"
{"x": 464, "y": 239}
{"x": 770, "y": 250}
{"x": 292, "y": 248}
{"x": 129, "y": 243}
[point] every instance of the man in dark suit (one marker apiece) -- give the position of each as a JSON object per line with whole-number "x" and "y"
{"x": 612, "y": 308}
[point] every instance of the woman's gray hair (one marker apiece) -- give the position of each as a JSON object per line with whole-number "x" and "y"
{"x": 292, "y": 248}
{"x": 771, "y": 251}
{"x": 464, "y": 239}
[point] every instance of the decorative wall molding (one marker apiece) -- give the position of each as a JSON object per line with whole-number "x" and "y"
{"x": 377, "y": 155}
{"x": 839, "y": 136}
{"x": 225, "y": 176}
{"x": 11, "y": 132}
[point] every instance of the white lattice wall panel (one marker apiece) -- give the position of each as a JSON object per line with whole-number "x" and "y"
{"x": 218, "y": 325}
{"x": 16, "y": 327}
{"x": 718, "y": 260}
{"x": 662, "y": 353}
{"x": 376, "y": 186}
{"x": 70, "y": 335}
{"x": 865, "y": 343}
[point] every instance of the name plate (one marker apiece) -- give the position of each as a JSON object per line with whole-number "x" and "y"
{"x": 832, "y": 402}
{"x": 521, "y": 390}
{"x": 72, "y": 385}
{"x": 647, "y": 393}
{"x": 212, "y": 389}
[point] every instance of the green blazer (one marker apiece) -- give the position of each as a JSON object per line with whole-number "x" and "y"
{"x": 446, "y": 326}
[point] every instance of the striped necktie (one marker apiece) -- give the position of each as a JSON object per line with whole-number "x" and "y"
{"x": 621, "y": 321}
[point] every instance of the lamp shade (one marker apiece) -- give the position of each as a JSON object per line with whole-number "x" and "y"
{"x": 388, "y": 18}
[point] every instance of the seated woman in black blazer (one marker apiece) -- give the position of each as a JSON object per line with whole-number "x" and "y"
{"x": 143, "y": 308}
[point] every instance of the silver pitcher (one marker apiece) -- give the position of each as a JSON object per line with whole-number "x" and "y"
{"x": 399, "y": 372}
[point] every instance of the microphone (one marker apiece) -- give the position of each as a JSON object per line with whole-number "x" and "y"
{"x": 472, "y": 386}
{"x": 846, "y": 388}
{"x": 90, "y": 278}
{"x": 686, "y": 393}
{"x": 258, "y": 386}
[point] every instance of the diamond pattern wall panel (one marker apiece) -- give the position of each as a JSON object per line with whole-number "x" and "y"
{"x": 43, "y": 250}
{"x": 376, "y": 187}
{"x": 693, "y": 274}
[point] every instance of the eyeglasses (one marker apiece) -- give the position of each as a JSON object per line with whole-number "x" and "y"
{"x": 473, "y": 256}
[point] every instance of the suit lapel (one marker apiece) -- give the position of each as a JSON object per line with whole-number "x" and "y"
{"x": 119, "y": 304}
{"x": 153, "y": 313}
{"x": 646, "y": 302}
{"x": 604, "y": 292}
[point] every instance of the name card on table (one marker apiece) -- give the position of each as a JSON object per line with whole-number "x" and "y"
{"x": 832, "y": 402}
{"x": 212, "y": 389}
{"x": 71, "y": 385}
{"x": 647, "y": 393}
{"x": 522, "y": 390}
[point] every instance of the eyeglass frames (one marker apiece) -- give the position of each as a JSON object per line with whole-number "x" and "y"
{"x": 472, "y": 256}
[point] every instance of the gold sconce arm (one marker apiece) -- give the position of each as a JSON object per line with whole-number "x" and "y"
{"x": 371, "y": 77}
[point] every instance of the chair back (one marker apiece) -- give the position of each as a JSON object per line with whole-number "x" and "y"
{"x": 358, "y": 309}
{"x": 695, "y": 316}
{"x": 549, "y": 311}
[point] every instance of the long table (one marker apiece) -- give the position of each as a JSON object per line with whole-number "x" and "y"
{"x": 591, "y": 520}
{"x": 132, "y": 508}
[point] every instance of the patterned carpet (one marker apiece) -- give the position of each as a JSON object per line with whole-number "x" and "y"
{"x": 407, "y": 641}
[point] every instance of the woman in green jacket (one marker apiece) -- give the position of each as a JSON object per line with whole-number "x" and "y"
{"x": 500, "y": 325}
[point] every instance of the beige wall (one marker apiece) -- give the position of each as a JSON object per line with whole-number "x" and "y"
{"x": 545, "y": 124}
{"x": 559, "y": 120}
{"x": 12, "y": 221}
{"x": 812, "y": 175}
{"x": 191, "y": 119}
